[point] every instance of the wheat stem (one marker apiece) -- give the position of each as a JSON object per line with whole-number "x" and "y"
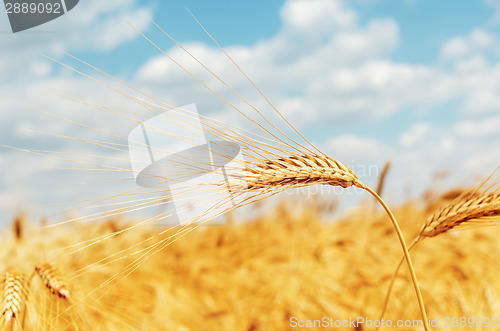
{"x": 393, "y": 279}
{"x": 406, "y": 255}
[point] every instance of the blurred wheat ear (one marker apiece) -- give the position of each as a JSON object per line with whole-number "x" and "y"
{"x": 15, "y": 294}
{"x": 18, "y": 226}
{"x": 52, "y": 280}
{"x": 382, "y": 178}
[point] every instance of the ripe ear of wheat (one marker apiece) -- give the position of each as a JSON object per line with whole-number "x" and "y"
{"x": 15, "y": 293}
{"x": 295, "y": 171}
{"x": 52, "y": 280}
{"x": 482, "y": 208}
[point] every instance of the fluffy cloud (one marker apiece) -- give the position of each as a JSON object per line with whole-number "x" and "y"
{"x": 321, "y": 16}
{"x": 358, "y": 149}
{"x": 476, "y": 42}
{"x": 92, "y": 26}
{"x": 467, "y": 148}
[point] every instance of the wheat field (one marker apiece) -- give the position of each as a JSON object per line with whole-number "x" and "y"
{"x": 290, "y": 262}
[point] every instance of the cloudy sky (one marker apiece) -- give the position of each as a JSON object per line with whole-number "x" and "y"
{"x": 414, "y": 81}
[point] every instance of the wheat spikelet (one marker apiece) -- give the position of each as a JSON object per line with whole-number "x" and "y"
{"x": 52, "y": 279}
{"x": 15, "y": 293}
{"x": 295, "y": 170}
{"x": 473, "y": 208}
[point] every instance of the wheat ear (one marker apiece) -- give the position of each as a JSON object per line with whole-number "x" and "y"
{"x": 15, "y": 294}
{"x": 52, "y": 280}
{"x": 477, "y": 208}
{"x": 297, "y": 171}
{"x": 468, "y": 209}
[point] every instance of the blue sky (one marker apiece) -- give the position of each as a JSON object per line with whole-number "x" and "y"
{"x": 423, "y": 25}
{"x": 414, "y": 81}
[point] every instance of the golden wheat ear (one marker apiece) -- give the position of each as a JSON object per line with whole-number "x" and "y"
{"x": 51, "y": 277}
{"x": 476, "y": 210}
{"x": 304, "y": 170}
{"x": 15, "y": 295}
{"x": 295, "y": 171}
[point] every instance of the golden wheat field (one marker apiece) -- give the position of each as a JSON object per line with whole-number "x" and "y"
{"x": 290, "y": 264}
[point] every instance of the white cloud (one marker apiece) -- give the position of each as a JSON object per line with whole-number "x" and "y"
{"x": 477, "y": 41}
{"x": 454, "y": 48}
{"x": 40, "y": 69}
{"x": 415, "y": 135}
{"x": 92, "y": 26}
{"x": 466, "y": 147}
{"x": 112, "y": 32}
{"x": 476, "y": 63}
{"x": 302, "y": 16}
{"x": 354, "y": 147}
{"x": 479, "y": 128}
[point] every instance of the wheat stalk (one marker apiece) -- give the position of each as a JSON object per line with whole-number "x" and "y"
{"x": 52, "y": 280}
{"x": 15, "y": 294}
